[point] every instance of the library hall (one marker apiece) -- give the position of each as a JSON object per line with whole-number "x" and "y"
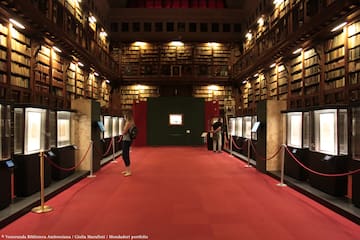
{"x": 180, "y": 119}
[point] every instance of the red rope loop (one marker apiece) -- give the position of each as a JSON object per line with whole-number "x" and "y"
{"x": 109, "y": 147}
{"x": 262, "y": 157}
{"x": 319, "y": 173}
{"x": 120, "y": 138}
{"x": 72, "y": 168}
{"x": 235, "y": 145}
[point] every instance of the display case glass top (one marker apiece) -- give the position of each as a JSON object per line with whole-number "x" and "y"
{"x": 115, "y": 126}
{"x": 239, "y": 127}
{"x": 63, "y": 128}
{"x": 232, "y": 126}
{"x": 247, "y": 127}
{"x": 330, "y": 131}
{"x": 294, "y": 129}
{"x": 121, "y": 125}
{"x": 35, "y": 132}
{"x": 255, "y": 126}
{"x": 108, "y": 126}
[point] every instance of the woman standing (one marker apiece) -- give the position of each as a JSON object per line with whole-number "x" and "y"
{"x": 126, "y": 142}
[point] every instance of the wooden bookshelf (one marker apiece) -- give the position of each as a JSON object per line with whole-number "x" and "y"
{"x": 282, "y": 82}
{"x": 354, "y": 60}
{"x": 272, "y": 83}
{"x": 58, "y": 84}
{"x": 296, "y": 75}
{"x": 3, "y": 53}
{"x": 334, "y": 72}
{"x": 20, "y": 59}
{"x": 311, "y": 72}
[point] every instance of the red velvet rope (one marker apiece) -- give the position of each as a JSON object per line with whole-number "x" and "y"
{"x": 235, "y": 145}
{"x": 261, "y": 157}
{"x": 319, "y": 173}
{"x": 72, "y": 168}
{"x": 107, "y": 151}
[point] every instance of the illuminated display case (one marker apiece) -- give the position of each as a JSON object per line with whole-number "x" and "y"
{"x": 64, "y": 150}
{"x": 115, "y": 126}
{"x": 108, "y": 126}
{"x": 239, "y": 127}
{"x": 232, "y": 126}
{"x": 107, "y": 141}
{"x": 355, "y": 162}
{"x": 121, "y": 125}
{"x": 5, "y": 154}
{"x": 247, "y": 127}
{"x": 31, "y": 133}
{"x": 255, "y": 126}
{"x": 297, "y": 141}
{"x": 329, "y": 148}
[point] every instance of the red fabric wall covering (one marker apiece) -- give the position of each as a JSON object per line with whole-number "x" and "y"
{"x": 211, "y": 110}
{"x": 140, "y": 117}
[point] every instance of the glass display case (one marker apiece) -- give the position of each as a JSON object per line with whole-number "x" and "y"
{"x": 232, "y": 126}
{"x": 330, "y": 132}
{"x": 30, "y": 137}
{"x": 247, "y": 127}
{"x": 297, "y": 141}
{"x": 64, "y": 150}
{"x": 329, "y": 149}
{"x": 355, "y": 150}
{"x": 239, "y": 127}
{"x": 5, "y": 155}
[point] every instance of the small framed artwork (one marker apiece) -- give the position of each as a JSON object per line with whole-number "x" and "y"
{"x": 175, "y": 119}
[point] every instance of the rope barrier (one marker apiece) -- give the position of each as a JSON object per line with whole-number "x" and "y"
{"x": 262, "y": 157}
{"x": 99, "y": 152}
{"x": 236, "y": 146}
{"x": 319, "y": 173}
{"x": 72, "y": 168}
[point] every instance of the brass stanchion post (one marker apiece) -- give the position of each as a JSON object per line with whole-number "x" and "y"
{"x": 248, "y": 153}
{"x": 113, "y": 150}
{"x": 91, "y": 160}
{"x": 282, "y": 184}
{"x": 42, "y": 208}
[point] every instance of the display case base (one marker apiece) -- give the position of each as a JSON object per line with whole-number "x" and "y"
{"x": 65, "y": 160}
{"x": 355, "y": 164}
{"x": 5, "y": 186}
{"x": 27, "y": 174}
{"x": 293, "y": 168}
{"x": 320, "y": 162}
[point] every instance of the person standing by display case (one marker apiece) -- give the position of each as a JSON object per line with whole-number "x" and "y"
{"x": 126, "y": 142}
{"x": 217, "y": 135}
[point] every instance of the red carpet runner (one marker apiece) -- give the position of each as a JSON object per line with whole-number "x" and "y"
{"x": 182, "y": 193}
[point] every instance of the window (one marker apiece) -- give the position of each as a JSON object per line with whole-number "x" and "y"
{"x": 124, "y": 27}
{"x": 147, "y": 27}
{"x": 192, "y": 27}
{"x": 158, "y": 27}
{"x": 226, "y": 27}
{"x": 237, "y": 27}
{"x": 181, "y": 27}
{"x": 203, "y": 27}
{"x": 215, "y": 27}
{"x": 114, "y": 27}
{"x": 170, "y": 27}
{"x": 136, "y": 27}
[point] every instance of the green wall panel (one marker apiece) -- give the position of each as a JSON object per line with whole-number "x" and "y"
{"x": 160, "y": 132}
